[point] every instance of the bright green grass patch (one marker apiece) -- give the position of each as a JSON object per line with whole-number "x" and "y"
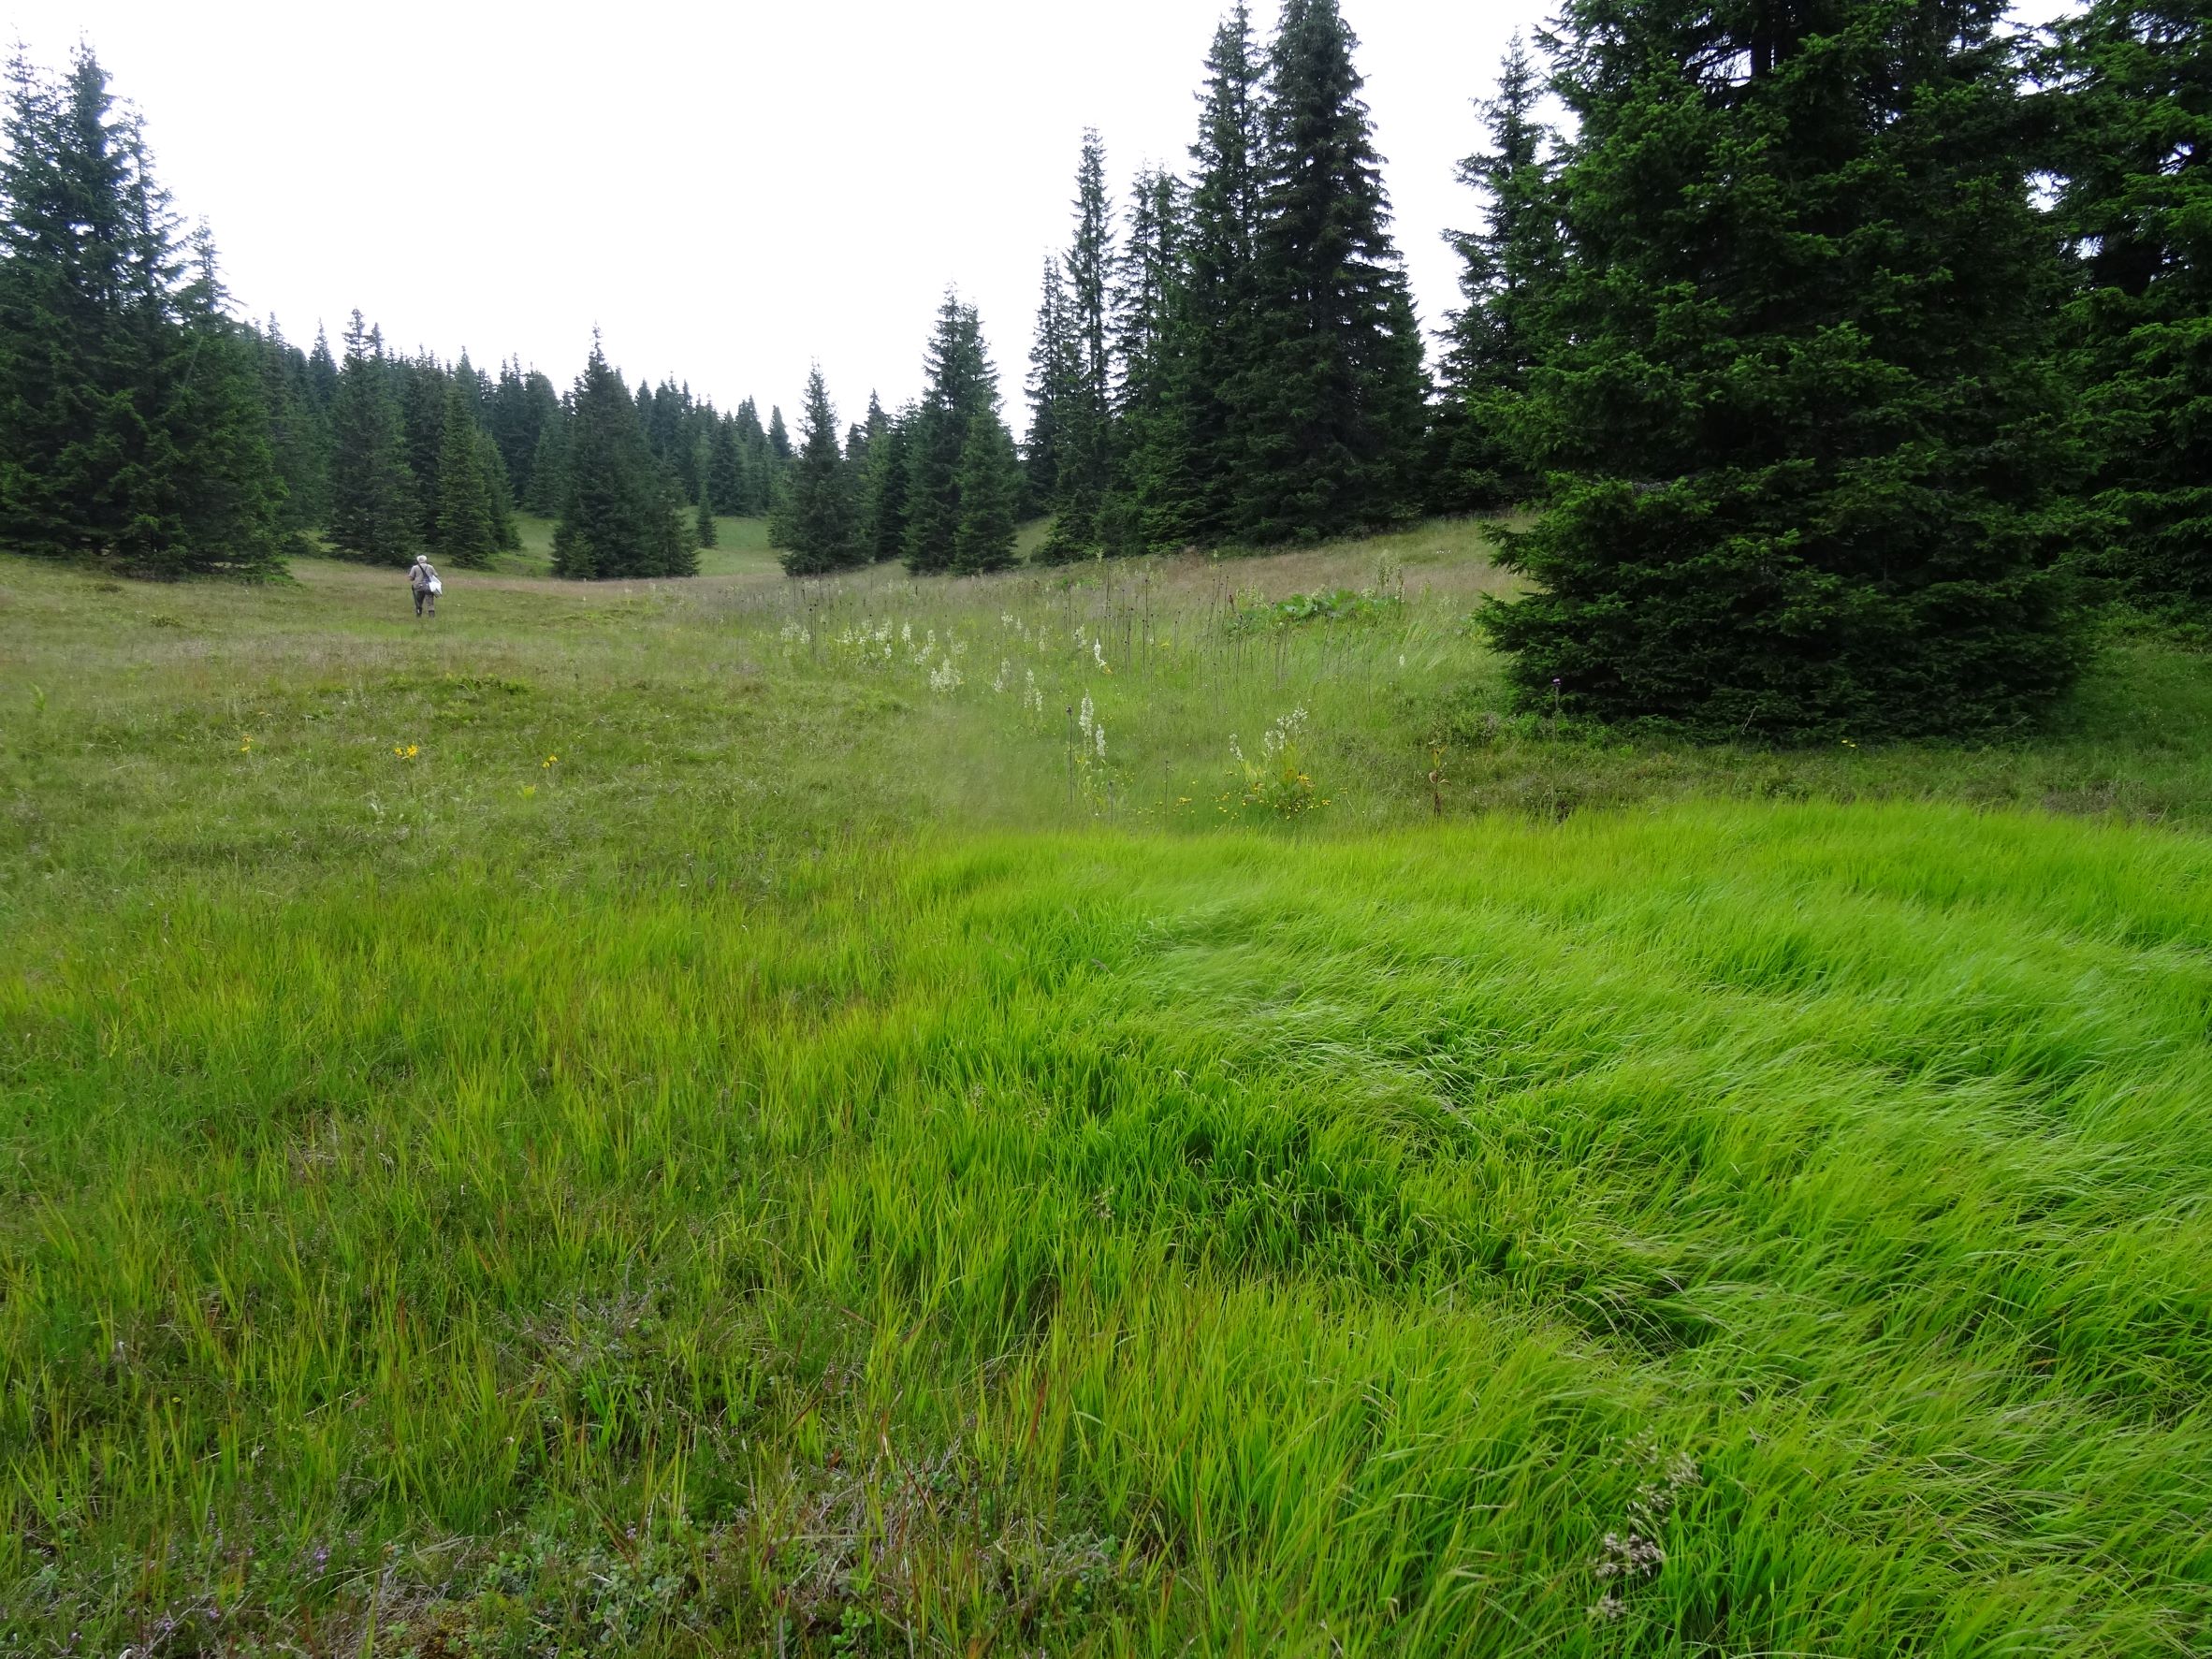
{"x": 678, "y": 1117}
{"x": 740, "y": 549}
{"x": 1101, "y": 1242}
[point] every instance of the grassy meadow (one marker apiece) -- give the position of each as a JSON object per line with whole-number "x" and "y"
{"x": 1132, "y": 1109}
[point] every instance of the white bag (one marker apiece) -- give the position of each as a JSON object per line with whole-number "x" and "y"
{"x": 436, "y": 585}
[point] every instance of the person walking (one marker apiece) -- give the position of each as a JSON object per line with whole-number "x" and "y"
{"x": 422, "y": 576}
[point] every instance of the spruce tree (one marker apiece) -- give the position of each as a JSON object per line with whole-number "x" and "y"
{"x": 498, "y": 491}
{"x": 1050, "y": 386}
{"x": 514, "y": 414}
{"x": 1085, "y": 436}
{"x": 618, "y": 517}
{"x": 133, "y": 422}
{"x": 424, "y": 384}
{"x": 372, "y": 492}
{"x": 779, "y": 441}
{"x": 1798, "y": 363}
{"x": 1153, "y": 503}
{"x": 872, "y": 427}
{"x": 474, "y": 388}
{"x": 1495, "y": 340}
{"x": 725, "y": 469}
{"x": 212, "y": 479}
{"x": 322, "y": 378}
{"x": 816, "y": 524}
{"x": 883, "y": 492}
{"x": 990, "y": 493}
{"x": 73, "y": 292}
{"x": 1217, "y": 308}
{"x": 703, "y": 525}
{"x": 549, "y": 465}
{"x": 1336, "y": 403}
{"x": 756, "y": 461}
{"x": 2136, "y": 129}
{"x": 960, "y": 382}
{"x": 464, "y": 530}
{"x": 298, "y": 437}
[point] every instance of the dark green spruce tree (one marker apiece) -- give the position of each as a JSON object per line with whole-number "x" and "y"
{"x": 1496, "y": 337}
{"x": 423, "y": 383}
{"x": 990, "y": 497}
{"x": 1336, "y": 403}
{"x": 517, "y": 414}
{"x": 2135, "y": 154}
{"x": 463, "y": 530}
{"x": 133, "y": 424}
{"x": 372, "y": 492}
{"x": 816, "y": 525}
{"x": 1799, "y": 372}
{"x": 217, "y": 496}
{"x": 757, "y": 465}
{"x": 725, "y": 469}
{"x": 1084, "y": 472}
{"x": 961, "y": 383}
{"x": 298, "y": 433}
{"x": 618, "y": 517}
{"x": 877, "y": 422}
{"x": 1049, "y": 390}
{"x": 1153, "y": 503}
{"x": 1216, "y": 313}
{"x": 703, "y": 525}
{"x": 498, "y": 491}
{"x": 322, "y": 378}
{"x": 549, "y": 465}
{"x": 883, "y": 489}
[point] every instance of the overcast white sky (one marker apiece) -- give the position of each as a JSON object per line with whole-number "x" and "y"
{"x": 725, "y": 190}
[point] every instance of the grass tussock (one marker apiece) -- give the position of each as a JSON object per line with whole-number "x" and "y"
{"x": 634, "y": 1121}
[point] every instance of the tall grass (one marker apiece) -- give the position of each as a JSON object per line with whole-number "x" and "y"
{"x": 728, "y": 1147}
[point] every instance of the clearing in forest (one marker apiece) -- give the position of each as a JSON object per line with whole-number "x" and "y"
{"x": 1131, "y": 1109}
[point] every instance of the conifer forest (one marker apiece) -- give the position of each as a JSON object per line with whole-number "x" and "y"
{"x": 1268, "y": 973}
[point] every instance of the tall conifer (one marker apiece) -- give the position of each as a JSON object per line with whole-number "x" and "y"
{"x": 725, "y": 469}
{"x": 1219, "y": 309}
{"x": 960, "y": 382}
{"x": 464, "y": 530}
{"x": 2135, "y": 79}
{"x": 549, "y": 465}
{"x": 990, "y": 492}
{"x": 498, "y": 491}
{"x": 1496, "y": 339}
{"x": 322, "y": 375}
{"x": 133, "y": 426}
{"x": 1336, "y": 407}
{"x": 1153, "y": 500}
{"x": 1085, "y": 433}
{"x": 372, "y": 492}
{"x": 299, "y": 440}
{"x": 214, "y": 502}
{"x": 1050, "y": 386}
{"x": 618, "y": 516}
{"x": 703, "y": 525}
{"x": 1798, "y": 364}
{"x": 816, "y": 524}
{"x": 883, "y": 492}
